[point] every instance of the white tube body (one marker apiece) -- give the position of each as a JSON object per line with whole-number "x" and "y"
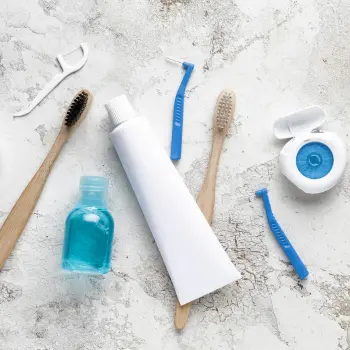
{"x": 196, "y": 262}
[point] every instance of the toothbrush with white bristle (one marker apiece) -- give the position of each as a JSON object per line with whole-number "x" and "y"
{"x": 222, "y": 120}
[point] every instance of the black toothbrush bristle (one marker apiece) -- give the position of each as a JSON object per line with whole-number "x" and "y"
{"x": 76, "y": 108}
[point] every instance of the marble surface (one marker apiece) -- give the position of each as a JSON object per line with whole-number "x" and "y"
{"x": 279, "y": 56}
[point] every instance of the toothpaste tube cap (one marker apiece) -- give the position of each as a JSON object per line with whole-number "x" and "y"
{"x": 119, "y": 110}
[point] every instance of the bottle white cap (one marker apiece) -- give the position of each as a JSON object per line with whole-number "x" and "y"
{"x": 119, "y": 110}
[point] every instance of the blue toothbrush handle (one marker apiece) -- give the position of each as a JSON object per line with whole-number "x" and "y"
{"x": 176, "y": 138}
{"x": 288, "y": 249}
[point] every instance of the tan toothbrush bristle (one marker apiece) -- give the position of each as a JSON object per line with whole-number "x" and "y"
{"x": 225, "y": 108}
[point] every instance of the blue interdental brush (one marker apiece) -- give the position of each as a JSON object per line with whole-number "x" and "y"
{"x": 178, "y": 115}
{"x": 282, "y": 239}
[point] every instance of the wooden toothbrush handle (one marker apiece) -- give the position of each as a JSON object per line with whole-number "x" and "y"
{"x": 206, "y": 202}
{"x": 181, "y": 314}
{"x": 22, "y": 210}
{"x": 206, "y": 197}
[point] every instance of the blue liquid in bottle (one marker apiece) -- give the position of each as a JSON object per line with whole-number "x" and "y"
{"x": 89, "y": 230}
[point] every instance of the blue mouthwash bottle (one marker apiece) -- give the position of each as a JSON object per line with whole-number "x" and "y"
{"x": 89, "y": 230}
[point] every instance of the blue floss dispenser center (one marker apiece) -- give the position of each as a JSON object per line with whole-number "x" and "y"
{"x": 313, "y": 160}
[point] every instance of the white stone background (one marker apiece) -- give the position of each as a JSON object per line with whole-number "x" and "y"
{"x": 279, "y": 56}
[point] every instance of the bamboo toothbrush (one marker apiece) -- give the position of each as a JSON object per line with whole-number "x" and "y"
{"x": 223, "y": 116}
{"x": 22, "y": 210}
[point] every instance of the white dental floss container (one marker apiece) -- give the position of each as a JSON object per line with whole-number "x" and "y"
{"x": 313, "y": 160}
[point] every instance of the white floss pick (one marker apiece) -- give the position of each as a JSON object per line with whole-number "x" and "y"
{"x": 313, "y": 160}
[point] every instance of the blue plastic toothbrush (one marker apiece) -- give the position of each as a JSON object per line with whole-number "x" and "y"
{"x": 176, "y": 138}
{"x": 282, "y": 239}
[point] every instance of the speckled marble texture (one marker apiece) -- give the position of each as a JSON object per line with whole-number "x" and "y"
{"x": 279, "y": 56}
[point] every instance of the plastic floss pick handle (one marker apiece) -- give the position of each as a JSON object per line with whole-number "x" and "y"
{"x": 67, "y": 69}
{"x": 282, "y": 239}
